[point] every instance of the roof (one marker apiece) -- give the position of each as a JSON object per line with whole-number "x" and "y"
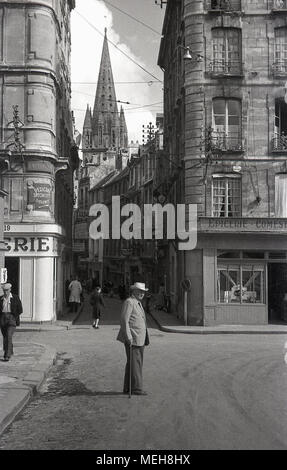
{"x": 104, "y": 180}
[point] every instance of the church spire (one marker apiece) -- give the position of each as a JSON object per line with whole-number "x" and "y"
{"x": 123, "y": 130}
{"x": 105, "y": 113}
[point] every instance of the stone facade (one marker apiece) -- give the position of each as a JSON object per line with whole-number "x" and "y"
{"x": 228, "y": 103}
{"x": 37, "y": 141}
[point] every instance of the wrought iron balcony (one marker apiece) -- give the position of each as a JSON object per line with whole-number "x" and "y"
{"x": 279, "y": 142}
{"x": 280, "y": 67}
{"x": 223, "y": 5}
{"x": 222, "y": 67}
{"x": 279, "y": 5}
{"x": 221, "y": 142}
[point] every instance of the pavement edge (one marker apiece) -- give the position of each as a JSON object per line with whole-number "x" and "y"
{"x": 21, "y": 392}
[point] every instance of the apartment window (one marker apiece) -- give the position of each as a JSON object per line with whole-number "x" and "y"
{"x": 281, "y": 195}
{"x": 224, "y": 5}
{"x": 280, "y": 53}
{"x": 240, "y": 284}
{"x": 280, "y": 126}
{"x": 226, "y": 196}
{"x": 226, "y": 124}
{"x": 226, "y": 51}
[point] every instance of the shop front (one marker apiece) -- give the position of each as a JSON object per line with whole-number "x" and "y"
{"x": 238, "y": 274}
{"x": 34, "y": 263}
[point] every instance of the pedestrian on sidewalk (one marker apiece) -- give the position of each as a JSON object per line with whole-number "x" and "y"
{"x": 98, "y": 304}
{"x": 75, "y": 289}
{"x": 10, "y": 311}
{"x": 134, "y": 334}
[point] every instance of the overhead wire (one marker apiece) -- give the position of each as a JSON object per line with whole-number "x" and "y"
{"x": 118, "y": 48}
{"x": 133, "y": 18}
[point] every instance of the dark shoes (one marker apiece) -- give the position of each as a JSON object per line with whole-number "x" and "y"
{"x": 6, "y": 359}
{"x": 135, "y": 392}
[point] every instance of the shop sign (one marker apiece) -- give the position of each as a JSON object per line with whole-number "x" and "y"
{"x": 39, "y": 197}
{"x": 258, "y": 225}
{"x": 32, "y": 246}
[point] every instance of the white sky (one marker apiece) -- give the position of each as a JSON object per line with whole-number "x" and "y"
{"x": 86, "y": 55}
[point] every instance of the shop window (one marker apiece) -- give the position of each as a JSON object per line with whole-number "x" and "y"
{"x": 240, "y": 284}
{"x": 226, "y": 197}
{"x": 281, "y": 195}
{"x": 280, "y": 126}
{"x": 226, "y": 124}
{"x": 226, "y": 52}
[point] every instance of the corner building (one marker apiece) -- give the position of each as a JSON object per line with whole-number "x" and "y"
{"x": 38, "y": 148}
{"x": 226, "y": 123}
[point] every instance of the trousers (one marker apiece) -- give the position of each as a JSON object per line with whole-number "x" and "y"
{"x": 7, "y": 332}
{"x": 136, "y": 368}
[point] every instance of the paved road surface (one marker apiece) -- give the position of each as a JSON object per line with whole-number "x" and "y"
{"x": 205, "y": 392}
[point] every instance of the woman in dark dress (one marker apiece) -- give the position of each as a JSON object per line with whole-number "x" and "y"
{"x": 98, "y": 304}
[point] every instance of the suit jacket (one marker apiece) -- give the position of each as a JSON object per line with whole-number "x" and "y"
{"x": 133, "y": 323}
{"x": 11, "y": 319}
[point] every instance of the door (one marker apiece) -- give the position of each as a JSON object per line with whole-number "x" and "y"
{"x": 12, "y": 265}
{"x": 277, "y": 288}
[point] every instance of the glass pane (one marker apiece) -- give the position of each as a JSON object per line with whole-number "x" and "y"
{"x": 252, "y": 286}
{"x": 233, "y": 107}
{"x": 228, "y": 282}
{"x": 219, "y": 106}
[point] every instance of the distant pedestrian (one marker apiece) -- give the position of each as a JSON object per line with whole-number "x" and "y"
{"x": 75, "y": 289}
{"x": 122, "y": 291}
{"x": 10, "y": 311}
{"x": 67, "y": 292}
{"x": 134, "y": 334}
{"x": 98, "y": 304}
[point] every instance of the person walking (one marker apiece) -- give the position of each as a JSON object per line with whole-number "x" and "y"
{"x": 75, "y": 289}
{"x": 134, "y": 334}
{"x": 98, "y": 304}
{"x": 10, "y": 311}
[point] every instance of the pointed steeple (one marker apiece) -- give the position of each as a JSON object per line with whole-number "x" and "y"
{"x": 88, "y": 118}
{"x": 87, "y": 129}
{"x": 105, "y": 113}
{"x": 123, "y": 130}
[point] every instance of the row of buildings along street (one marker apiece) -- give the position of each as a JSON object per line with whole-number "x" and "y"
{"x": 220, "y": 144}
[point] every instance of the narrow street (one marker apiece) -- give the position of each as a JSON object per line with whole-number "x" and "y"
{"x": 204, "y": 392}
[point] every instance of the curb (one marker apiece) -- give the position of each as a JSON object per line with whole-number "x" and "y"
{"x": 21, "y": 392}
{"x": 170, "y": 329}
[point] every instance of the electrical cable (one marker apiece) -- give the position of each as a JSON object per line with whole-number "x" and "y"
{"x": 133, "y": 18}
{"x": 124, "y": 53}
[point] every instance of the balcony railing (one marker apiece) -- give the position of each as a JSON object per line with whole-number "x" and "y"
{"x": 225, "y": 143}
{"x": 280, "y": 67}
{"x": 279, "y": 5}
{"x": 224, "y": 5}
{"x": 279, "y": 143}
{"x": 223, "y": 67}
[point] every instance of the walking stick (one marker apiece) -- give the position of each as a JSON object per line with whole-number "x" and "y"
{"x": 130, "y": 371}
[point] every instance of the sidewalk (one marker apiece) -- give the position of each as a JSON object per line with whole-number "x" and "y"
{"x": 171, "y": 324}
{"x": 22, "y": 377}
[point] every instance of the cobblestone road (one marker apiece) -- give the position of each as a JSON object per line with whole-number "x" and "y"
{"x": 212, "y": 392}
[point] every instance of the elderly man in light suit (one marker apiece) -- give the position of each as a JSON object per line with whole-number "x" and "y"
{"x": 133, "y": 333}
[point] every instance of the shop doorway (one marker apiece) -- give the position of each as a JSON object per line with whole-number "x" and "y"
{"x": 12, "y": 265}
{"x": 277, "y": 288}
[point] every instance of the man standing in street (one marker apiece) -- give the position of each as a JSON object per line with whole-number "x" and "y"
{"x": 10, "y": 311}
{"x": 133, "y": 333}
